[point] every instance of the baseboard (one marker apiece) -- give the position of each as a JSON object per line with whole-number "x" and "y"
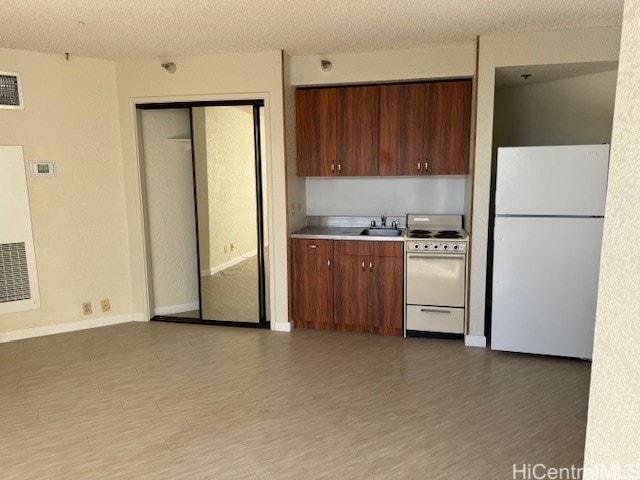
{"x": 171, "y": 309}
{"x": 475, "y": 341}
{"x": 229, "y": 264}
{"x": 65, "y": 327}
{"x": 139, "y": 317}
{"x": 281, "y": 326}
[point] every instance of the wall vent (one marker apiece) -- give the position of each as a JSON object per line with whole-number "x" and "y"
{"x": 18, "y": 274}
{"x": 14, "y": 273}
{"x": 10, "y": 90}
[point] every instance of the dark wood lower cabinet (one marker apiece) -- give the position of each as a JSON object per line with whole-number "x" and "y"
{"x": 312, "y": 280}
{"x": 350, "y": 287}
{"x": 366, "y": 283}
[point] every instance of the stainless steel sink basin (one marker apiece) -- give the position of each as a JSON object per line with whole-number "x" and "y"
{"x": 381, "y": 232}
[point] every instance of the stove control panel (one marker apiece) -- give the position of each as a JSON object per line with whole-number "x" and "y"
{"x": 436, "y": 246}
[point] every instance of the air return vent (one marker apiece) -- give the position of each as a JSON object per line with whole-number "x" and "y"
{"x": 14, "y": 273}
{"x": 10, "y": 90}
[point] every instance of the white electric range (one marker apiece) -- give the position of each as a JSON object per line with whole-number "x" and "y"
{"x": 435, "y": 275}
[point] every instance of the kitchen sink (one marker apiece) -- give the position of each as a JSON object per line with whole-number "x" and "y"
{"x": 381, "y": 232}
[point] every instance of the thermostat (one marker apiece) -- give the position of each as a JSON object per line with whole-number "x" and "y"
{"x": 43, "y": 168}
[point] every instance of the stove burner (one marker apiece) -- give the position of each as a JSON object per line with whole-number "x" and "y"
{"x": 448, "y": 234}
{"x": 420, "y": 234}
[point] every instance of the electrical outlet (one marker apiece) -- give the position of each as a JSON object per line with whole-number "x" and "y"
{"x": 293, "y": 209}
{"x": 225, "y": 249}
{"x": 106, "y": 305}
{"x": 86, "y": 308}
{"x": 231, "y": 246}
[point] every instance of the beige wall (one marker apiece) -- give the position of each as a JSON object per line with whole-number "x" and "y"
{"x": 170, "y": 210}
{"x": 79, "y": 217}
{"x": 231, "y": 183}
{"x": 199, "y": 132}
{"x": 569, "y": 111}
{"x": 386, "y": 66}
{"x": 614, "y": 403}
{"x": 208, "y": 77}
{"x": 296, "y": 187}
{"x": 534, "y": 48}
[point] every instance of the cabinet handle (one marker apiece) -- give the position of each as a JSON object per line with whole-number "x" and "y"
{"x": 370, "y": 266}
{"x": 426, "y": 164}
{"x": 313, "y": 245}
{"x": 363, "y": 265}
{"x": 332, "y": 166}
{"x": 339, "y": 168}
{"x": 419, "y": 166}
{"x": 328, "y": 263}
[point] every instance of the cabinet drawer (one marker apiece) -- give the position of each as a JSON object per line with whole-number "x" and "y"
{"x": 312, "y": 246}
{"x": 368, "y": 248}
{"x": 435, "y": 319}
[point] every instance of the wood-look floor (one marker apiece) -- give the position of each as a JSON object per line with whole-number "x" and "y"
{"x": 168, "y": 401}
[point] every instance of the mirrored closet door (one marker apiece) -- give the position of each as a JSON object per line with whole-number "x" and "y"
{"x": 205, "y": 211}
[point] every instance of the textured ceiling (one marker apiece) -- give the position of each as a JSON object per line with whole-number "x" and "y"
{"x": 160, "y": 28}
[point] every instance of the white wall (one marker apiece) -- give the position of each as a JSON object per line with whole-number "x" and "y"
{"x": 532, "y": 48}
{"x": 170, "y": 209}
{"x": 570, "y": 111}
{"x": 614, "y": 415}
{"x": 79, "y": 217}
{"x": 389, "y": 196}
{"x": 208, "y": 77}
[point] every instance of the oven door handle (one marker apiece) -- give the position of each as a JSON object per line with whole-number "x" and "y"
{"x": 433, "y": 310}
{"x": 424, "y": 256}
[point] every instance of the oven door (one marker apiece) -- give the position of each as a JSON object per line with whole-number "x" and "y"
{"x": 434, "y": 279}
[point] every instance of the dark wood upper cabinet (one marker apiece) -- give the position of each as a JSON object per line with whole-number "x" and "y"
{"x": 316, "y": 132}
{"x": 448, "y": 137}
{"x": 392, "y": 126}
{"x": 401, "y": 129}
{"x": 357, "y": 130}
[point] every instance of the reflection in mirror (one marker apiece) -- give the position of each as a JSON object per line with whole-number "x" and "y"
{"x": 170, "y": 223}
{"x": 225, "y": 172}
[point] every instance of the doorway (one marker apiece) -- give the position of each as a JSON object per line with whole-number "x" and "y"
{"x": 202, "y": 175}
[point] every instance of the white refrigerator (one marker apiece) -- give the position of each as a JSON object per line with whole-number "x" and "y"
{"x": 549, "y": 214}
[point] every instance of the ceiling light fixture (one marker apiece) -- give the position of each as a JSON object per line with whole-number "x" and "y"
{"x": 170, "y": 67}
{"x": 81, "y": 24}
{"x": 325, "y": 65}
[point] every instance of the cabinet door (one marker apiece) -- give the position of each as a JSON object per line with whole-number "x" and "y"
{"x": 417, "y": 98}
{"x": 357, "y": 131}
{"x": 448, "y": 137}
{"x": 386, "y": 297}
{"x": 403, "y": 123}
{"x": 312, "y": 280}
{"x": 391, "y": 108}
{"x": 350, "y": 287}
{"x": 316, "y": 131}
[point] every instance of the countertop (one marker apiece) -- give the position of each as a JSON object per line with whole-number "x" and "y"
{"x": 342, "y": 233}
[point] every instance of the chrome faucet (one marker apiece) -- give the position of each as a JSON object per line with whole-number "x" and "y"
{"x": 383, "y": 221}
